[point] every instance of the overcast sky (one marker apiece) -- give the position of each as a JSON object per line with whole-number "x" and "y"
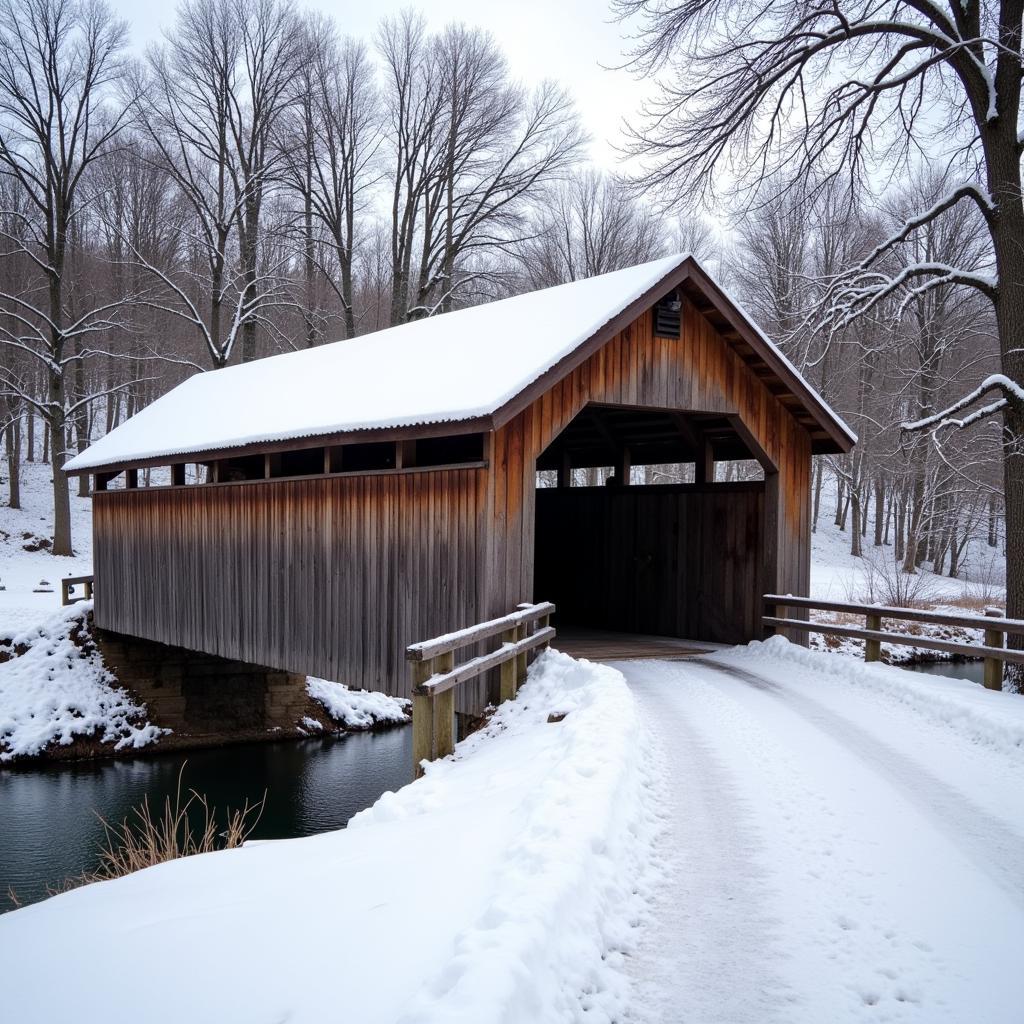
{"x": 568, "y": 40}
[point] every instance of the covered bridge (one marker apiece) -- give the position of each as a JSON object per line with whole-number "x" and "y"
{"x": 319, "y": 510}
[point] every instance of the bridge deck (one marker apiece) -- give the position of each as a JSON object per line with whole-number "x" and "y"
{"x": 599, "y": 645}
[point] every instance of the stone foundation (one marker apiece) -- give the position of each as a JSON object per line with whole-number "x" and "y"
{"x": 203, "y": 697}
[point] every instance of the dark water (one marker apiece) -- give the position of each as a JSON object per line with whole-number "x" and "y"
{"x": 971, "y": 670}
{"x": 49, "y": 829}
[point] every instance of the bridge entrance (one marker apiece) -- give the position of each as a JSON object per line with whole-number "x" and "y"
{"x": 652, "y": 522}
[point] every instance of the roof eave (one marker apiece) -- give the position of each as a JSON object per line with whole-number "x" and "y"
{"x": 689, "y": 270}
{"x": 472, "y": 425}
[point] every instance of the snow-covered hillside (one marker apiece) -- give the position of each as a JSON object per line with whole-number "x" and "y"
{"x": 29, "y": 575}
{"x": 839, "y": 576}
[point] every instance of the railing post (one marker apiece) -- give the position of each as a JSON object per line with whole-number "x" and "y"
{"x": 433, "y": 715}
{"x": 781, "y": 612}
{"x": 507, "y": 669}
{"x": 444, "y": 711}
{"x": 873, "y": 648}
{"x": 422, "y": 718}
{"x": 994, "y": 666}
{"x": 520, "y": 660}
{"x": 88, "y": 588}
{"x": 65, "y": 592}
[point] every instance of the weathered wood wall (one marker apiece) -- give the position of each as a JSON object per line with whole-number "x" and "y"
{"x": 662, "y": 560}
{"x": 332, "y": 577}
{"x": 696, "y": 372}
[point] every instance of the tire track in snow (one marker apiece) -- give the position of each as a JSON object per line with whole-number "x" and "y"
{"x": 706, "y": 958}
{"x": 994, "y": 848}
{"x": 810, "y": 884}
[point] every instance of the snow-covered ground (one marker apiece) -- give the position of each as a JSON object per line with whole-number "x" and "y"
{"x": 761, "y": 835}
{"x": 836, "y": 575}
{"x": 54, "y": 689}
{"x": 502, "y": 886}
{"x": 844, "y": 843}
{"x": 31, "y": 579}
{"x": 354, "y": 709}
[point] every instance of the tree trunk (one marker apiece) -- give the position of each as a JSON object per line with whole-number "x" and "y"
{"x": 899, "y": 549}
{"x": 879, "y": 509}
{"x": 14, "y": 462}
{"x": 993, "y": 536}
{"x": 30, "y": 443}
{"x": 914, "y": 512}
{"x": 855, "y": 514}
{"x": 1013, "y": 477}
{"x": 61, "y": 496}
{"x": 840, "y": 493}
{"x": 817, "y": 495}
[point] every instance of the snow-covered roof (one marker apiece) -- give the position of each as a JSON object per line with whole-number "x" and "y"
{"x": 460, "y": 366}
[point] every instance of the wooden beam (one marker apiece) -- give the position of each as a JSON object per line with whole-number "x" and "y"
{"x": 565, "y": 469}
{"x": 131, "y": 479}
{"x": 1015, "y": 626}
{"x": 897, "y": 639}
{"x": 178, "y": 474}
{"x": 405, "y": 454}
{"x": 623, "y": 465}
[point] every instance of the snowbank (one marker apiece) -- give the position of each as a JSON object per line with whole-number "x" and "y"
{"x": 355, "y": 709}
{"x": 989, "y": 717}
{"x": 502, "y": 886}
{"x": 54, "y": 690}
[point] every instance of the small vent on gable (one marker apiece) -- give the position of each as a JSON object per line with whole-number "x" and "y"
{"x": 667, "y": 316}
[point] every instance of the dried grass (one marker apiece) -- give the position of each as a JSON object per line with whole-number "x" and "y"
{"x": 143, "y": 839}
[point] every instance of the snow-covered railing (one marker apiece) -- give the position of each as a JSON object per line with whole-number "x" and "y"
{"x": 435, "y": 674}
{"x": 68, "y": 584}
{"x": 992, "y": 623}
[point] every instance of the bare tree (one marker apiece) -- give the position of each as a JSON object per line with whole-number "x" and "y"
{"x": 858, "y": 88}
{"x": 588, "y": 226}
{"x": 330, "y": 151}
{"x": 211, "y": 98}
{"x": 60, "y": 61}
{"x": 469, "y": 149}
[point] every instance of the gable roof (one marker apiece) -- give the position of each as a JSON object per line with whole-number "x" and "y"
{"x": 472, "y": 369}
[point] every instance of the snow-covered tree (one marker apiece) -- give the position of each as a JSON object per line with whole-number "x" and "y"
{"x": 61, "y": 62}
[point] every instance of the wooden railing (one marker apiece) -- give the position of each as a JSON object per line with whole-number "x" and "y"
{"x": 435, "y": 674}
{"x": 995, "y": 628}
{"x": 69, "y": 583}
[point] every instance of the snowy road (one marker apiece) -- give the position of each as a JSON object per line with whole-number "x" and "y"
{"x": 830, "y": 853}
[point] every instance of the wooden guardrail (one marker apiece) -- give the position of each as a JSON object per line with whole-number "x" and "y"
{"x": 69, "y": 583}
{"x": 995, "y": 628}
{"x": 435, "y": 674}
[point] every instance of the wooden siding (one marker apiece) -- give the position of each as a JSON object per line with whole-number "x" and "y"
{"x": 334, "y": 576}
{"x": 697, "y": 372}
{"x": 331, "y": 576}
{"x": 664, "y": 560}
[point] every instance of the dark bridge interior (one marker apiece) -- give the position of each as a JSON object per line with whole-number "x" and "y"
{"x": 681, "y": 560}
{"x": 602, "y": 435}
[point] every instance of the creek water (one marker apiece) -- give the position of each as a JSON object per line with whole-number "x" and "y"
{"x": 50, "y": 817}
{"x": 971, "y": 670}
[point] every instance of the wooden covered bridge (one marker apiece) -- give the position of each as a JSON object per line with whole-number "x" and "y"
{"x": 319, "y": 511}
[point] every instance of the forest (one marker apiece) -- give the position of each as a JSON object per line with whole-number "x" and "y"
{"x": 258, "y": 181}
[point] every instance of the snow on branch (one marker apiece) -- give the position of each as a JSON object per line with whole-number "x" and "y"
{"x": 1010, "y": 389}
